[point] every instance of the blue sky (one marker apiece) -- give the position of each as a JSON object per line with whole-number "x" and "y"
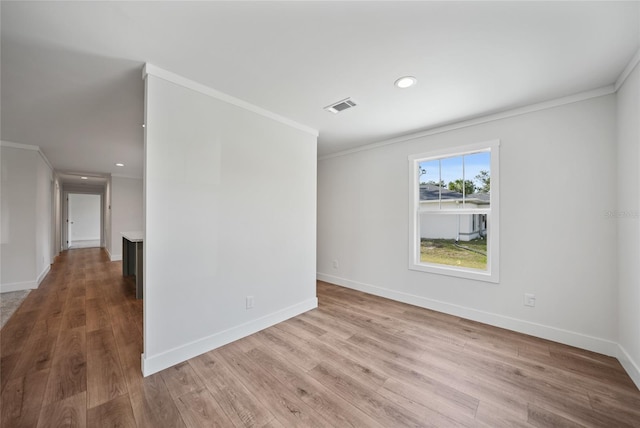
{"x": 451, "y": 168}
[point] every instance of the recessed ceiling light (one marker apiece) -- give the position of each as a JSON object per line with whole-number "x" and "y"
{"x": 144, "y": 126}
{"x": 405, "y": 82}
{"x": 119, "y": 164}
{"x": 84, "y": 178}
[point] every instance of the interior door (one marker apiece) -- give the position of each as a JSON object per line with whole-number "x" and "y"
{"x": 84, "y": 220}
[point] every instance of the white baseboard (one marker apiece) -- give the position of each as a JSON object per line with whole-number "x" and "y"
{"x": 25, "y": 285}
{"x": 579, "y": 340}
{"x": 113, "y": 257}
{"x": 632, "y": 367}
{"x": 18, "y": 286}
{"x": 43, "y": 274}
{"x": 156, "y": 363}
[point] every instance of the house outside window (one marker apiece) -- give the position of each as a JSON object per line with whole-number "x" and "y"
{"x": 454, "y": 209}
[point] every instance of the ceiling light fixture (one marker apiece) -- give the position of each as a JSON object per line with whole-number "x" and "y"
{"x": 84, "y": 178}
{"x": 405, "y": 82}
{"x": 119, "y": 164}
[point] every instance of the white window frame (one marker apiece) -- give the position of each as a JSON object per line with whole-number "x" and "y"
{"x": 493, "y": 214}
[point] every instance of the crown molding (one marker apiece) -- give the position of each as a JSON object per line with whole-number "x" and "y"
{"x": 19, "y": 146}
{"x": 28, "y": 147}
{"x": 44, "y": 158}
{"x": 150, "y": 69}
{"x": 595, "y": 93}
{"x": 627, "y": 70}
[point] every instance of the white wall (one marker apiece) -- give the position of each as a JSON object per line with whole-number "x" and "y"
{"x": 56, "y": 217}
{"x": 19, "y": 208}
{"x": 557, "y": 169}
{"x": 126, "y": 211}
{"x": 26, "y": 217}
{"x": 230, "y": 209}
{"x": 106, "y": 223}
{"x": 44, "y": 207}
{"x": 84, "y": 217}
{"x": 627, "y": 217}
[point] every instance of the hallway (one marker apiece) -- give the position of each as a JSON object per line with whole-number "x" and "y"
{"x": 71, "y": 353}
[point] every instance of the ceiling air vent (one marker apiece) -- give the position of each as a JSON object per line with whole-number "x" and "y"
{"x": 341, "y": 105}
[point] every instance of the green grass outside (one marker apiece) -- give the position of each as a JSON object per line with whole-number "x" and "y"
{"x": 444, "y": 252}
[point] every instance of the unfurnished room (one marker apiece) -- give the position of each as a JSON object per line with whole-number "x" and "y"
{"x": 320, "y": 214}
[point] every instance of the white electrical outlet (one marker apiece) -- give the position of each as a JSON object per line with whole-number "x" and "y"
{"x": 249, "y": 302}
{"x": 529, "y": 299}
{"x": 335, "y": 264}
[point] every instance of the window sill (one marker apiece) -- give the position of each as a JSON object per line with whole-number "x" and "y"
{"x": 456, "y": 272}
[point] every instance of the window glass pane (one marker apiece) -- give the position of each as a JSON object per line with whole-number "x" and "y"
{"x": 450, "y": 226}
{"x": 429, "y": 179}
{"x": 477, "y": 168}
{"x": 452, "y": 174}
{"x": 458, "y": 240}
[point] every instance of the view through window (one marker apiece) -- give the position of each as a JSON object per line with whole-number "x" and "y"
{"x": 453, "y": 203}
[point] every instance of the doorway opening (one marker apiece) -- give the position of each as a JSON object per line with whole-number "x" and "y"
{"x": 83, "y": 220}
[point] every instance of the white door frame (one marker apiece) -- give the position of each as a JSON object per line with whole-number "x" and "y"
{"x": 65, "y": 214}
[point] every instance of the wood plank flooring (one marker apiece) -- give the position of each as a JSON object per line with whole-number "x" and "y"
{"x": 70, "y": 356}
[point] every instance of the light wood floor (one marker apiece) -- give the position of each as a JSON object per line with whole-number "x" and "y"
{"x": 71, "y": 357}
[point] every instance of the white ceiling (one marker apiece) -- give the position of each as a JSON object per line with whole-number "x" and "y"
{"x": 71, "y": 71}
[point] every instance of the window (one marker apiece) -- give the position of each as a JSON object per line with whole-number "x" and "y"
{"x": 454, "y": 211}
